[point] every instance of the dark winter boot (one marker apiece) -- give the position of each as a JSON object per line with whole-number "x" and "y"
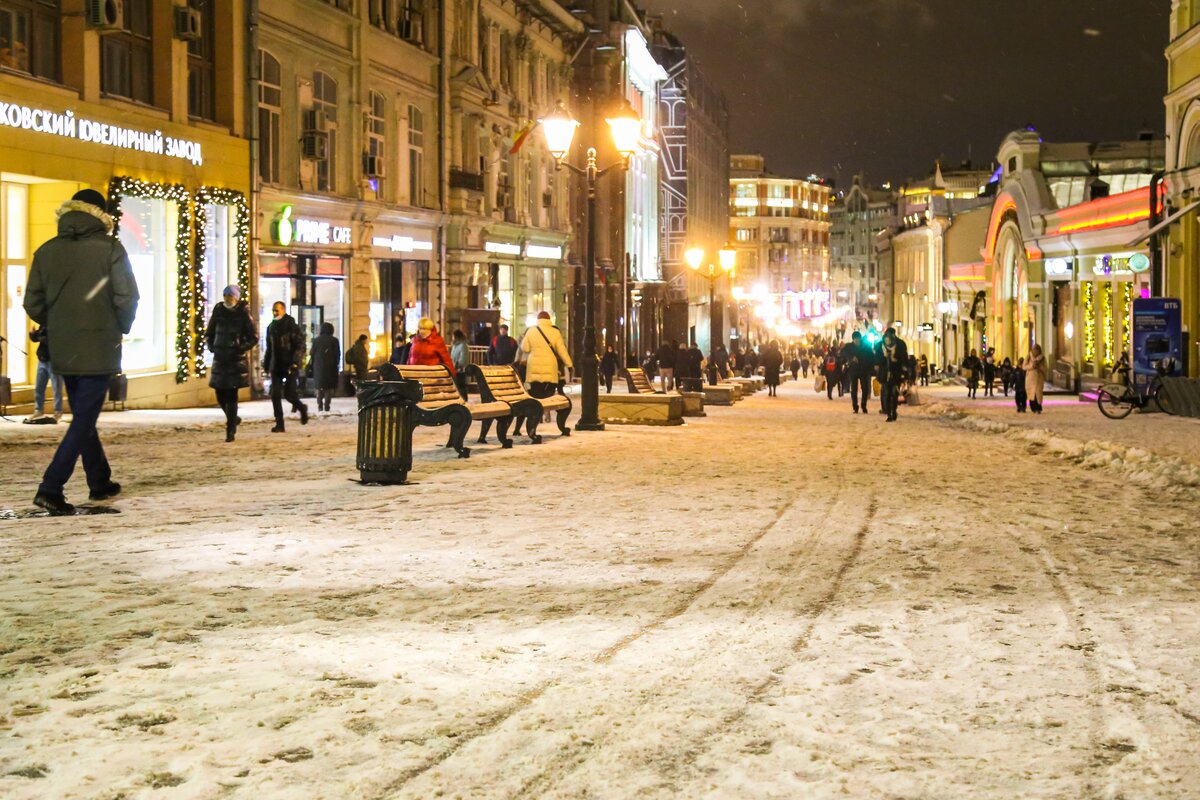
{"x": 303, "y": 414}
{"x": 56, "y": 504}
{"x": 104, "y": 492}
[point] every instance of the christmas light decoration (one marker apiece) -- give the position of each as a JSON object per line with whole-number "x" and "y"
{"x": 1108, "y": 320}
{"x": 1127, "y": 315}
{"x": 120, "y": 187}
{"x": 215, "y": 196}
{"x": 1089, "y": 322}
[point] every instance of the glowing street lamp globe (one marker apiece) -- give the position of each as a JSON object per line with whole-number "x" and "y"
{"x": 694, "y": 257}
{"x": 626, "y": 130}
{"x": 559, "y": 128}
{"x": 728, "y": 257}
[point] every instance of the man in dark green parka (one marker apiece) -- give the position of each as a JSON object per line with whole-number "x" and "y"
{"x": 81, "y": 287}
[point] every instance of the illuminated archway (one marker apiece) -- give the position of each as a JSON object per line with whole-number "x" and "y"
{"x": 1010, "y": 288}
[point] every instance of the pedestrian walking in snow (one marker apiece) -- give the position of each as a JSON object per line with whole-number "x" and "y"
{"x": 608, "y": 367}
{"x": 695, "y": 369}
{"x": 972, "y": 368}
{"x": 1006, "y": 375}
{"x": 45, "y": 375}
{"x": 358, "y": 359}
{"x": 861, "y": 363}
{"x": 1035, "y": 378}
{"x": 795, "y": 367}
{"x": 324, "y": 359}
{"x": 989, "y": 373}
{"x": 230, "y": 336}
{"x": 893, "y": 371}
{"x": 720, "y": 359}
{"x": 668, "y": 354}
{"x": 546, "y": 357}
{"x": 830, "y": 371}
{"x": 1018, "y": 382}
{"x": 82, "y": 289}
{"x": 503, "y": 349}
{"x": 804, "y": 366}
{"x": 923, "y": 370}
{"x": 460, "y": 356}
{"x": 772, "y": 362}
{"x": 281, "y": 361}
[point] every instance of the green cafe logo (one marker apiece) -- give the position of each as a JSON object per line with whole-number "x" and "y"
{"x": 283, "y": 227}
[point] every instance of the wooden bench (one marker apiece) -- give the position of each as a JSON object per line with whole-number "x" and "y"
{"x": 638, "y": 383}
{"x": 502, "y": 384}
{"x": 441, "y": 404}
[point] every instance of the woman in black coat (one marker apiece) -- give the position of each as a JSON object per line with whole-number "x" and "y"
{"x": 230, "y": 336}
{"x": 323, "y": 359}
{"x": 772, "y": 362}
{"x": 608, "y": 367}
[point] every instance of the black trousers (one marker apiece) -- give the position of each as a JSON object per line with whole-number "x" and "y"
{"x": 86, "y": 394}
{"x": 228, "y": 400}
{"x": 830, "y": 381}
{"x": 890, "y": 399}
{"x": 283, "y": 385}
{"x": 608, "y": 381}
{"x": 860, "y": 383}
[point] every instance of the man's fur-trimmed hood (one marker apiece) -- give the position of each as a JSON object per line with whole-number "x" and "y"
{"x": 86, "y": 208}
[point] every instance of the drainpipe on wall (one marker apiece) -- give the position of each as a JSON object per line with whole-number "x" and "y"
{"x": 251, "y": 128}
{"x": 443, "y": 154}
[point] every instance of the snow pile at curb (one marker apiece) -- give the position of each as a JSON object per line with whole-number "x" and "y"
{"x": 1135, "y": 464}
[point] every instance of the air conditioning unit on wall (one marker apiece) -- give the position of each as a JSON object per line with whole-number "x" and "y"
{"x": 187, "y": 24}
{"x": 314, "y": 145}
{"x": 104, "y": 15}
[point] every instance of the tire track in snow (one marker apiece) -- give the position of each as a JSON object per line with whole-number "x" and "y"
{"x": 523, "y": 701}
{"x": 559, "y": 767}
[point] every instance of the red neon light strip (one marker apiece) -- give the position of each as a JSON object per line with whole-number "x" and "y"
{"x": 1102, "y": 223}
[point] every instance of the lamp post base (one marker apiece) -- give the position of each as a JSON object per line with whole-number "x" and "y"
{"x": 589, "y": 426}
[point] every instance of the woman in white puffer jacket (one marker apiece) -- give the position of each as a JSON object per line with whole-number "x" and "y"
{"x": 544, "y": 347}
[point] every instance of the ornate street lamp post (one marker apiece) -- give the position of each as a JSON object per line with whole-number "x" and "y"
{"x": 727, "y": 256}
{"x": 560, "y": 128}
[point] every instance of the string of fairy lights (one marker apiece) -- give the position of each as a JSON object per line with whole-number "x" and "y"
{"x": 190, "y": 291}
{"x": 216, "y": 196}
{"x": 1106, "y": 315}
{"x": 120, "y": 187}
{"x": 1089, "y": 322}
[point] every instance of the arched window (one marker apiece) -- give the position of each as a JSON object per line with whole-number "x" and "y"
{"x": 270, "y": 107}
{"x": 1191, "y": 153}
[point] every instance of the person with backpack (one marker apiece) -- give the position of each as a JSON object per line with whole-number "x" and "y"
{"x": 831, "y": 371}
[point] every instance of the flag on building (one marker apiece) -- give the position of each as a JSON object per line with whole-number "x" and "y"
{"x": 522, "y": 135}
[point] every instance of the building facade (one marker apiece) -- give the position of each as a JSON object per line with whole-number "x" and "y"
{"x": 693, "y": 135}
{"x": 856, "y": 220}
{"x": 615, "y": 66}
{"x": 147, "y": 106}
{"x": 1178, "y": 245}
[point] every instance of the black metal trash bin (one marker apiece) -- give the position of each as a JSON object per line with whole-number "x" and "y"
{"x": 385, "y": 430}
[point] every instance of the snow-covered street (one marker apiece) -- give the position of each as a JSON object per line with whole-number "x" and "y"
{"x": 780, "y": 600}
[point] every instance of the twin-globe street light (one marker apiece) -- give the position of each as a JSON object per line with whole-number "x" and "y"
{"x": 727, "y": 256}
{"x": 560, "y": 128}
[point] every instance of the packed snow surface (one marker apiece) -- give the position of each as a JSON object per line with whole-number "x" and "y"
{"x": 780, "y": 600}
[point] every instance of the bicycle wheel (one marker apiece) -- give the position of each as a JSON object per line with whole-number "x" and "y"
{"x": 1162, "y": 400}
{"x": 1115, "y": 402}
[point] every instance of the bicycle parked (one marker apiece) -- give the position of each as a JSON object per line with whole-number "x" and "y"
{"x": 1118, "y": 400}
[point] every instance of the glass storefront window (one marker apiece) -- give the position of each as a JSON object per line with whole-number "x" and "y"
{"x": 14, "y": 224}
{"x": 148, "y": 228}
{"x": 220, "y": 258}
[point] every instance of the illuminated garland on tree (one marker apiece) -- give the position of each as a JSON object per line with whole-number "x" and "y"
{"x": 1089, "y": 322}
{"x": 206, "y": 196}
{"x": 1106, "y": 315}
{"x": 1127, "y": 313}
{"x": 185, "y": 296}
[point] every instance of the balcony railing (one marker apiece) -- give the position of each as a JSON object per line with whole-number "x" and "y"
{"x": 460, "y": 179}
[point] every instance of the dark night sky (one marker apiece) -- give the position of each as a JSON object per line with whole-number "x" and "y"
{"x": 889, "y": 86}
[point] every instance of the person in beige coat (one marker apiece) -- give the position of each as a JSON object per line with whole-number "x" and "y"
{"x": 1035, "y": 378}
{"x": 543, "y": 349}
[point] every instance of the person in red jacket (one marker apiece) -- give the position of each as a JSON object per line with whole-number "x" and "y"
{"x": 429, "y": 348}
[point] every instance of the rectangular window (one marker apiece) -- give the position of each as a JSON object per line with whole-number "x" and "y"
{"x": 376, "y": 127}
{"x": 416, "y": 157}
{"x": 202, "y": 102}
{"x": 148, "y": 232}
{"x": 270, "y": 99}
{"x": 29, "y": 37}
{"x": 126, "y": 63}
{"x": 325, "y": 109}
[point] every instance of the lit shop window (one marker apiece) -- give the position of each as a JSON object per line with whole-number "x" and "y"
{"x": 148, "y": 228}
{"x": 220, "y": 267}
{"x": 14, "y": 212}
